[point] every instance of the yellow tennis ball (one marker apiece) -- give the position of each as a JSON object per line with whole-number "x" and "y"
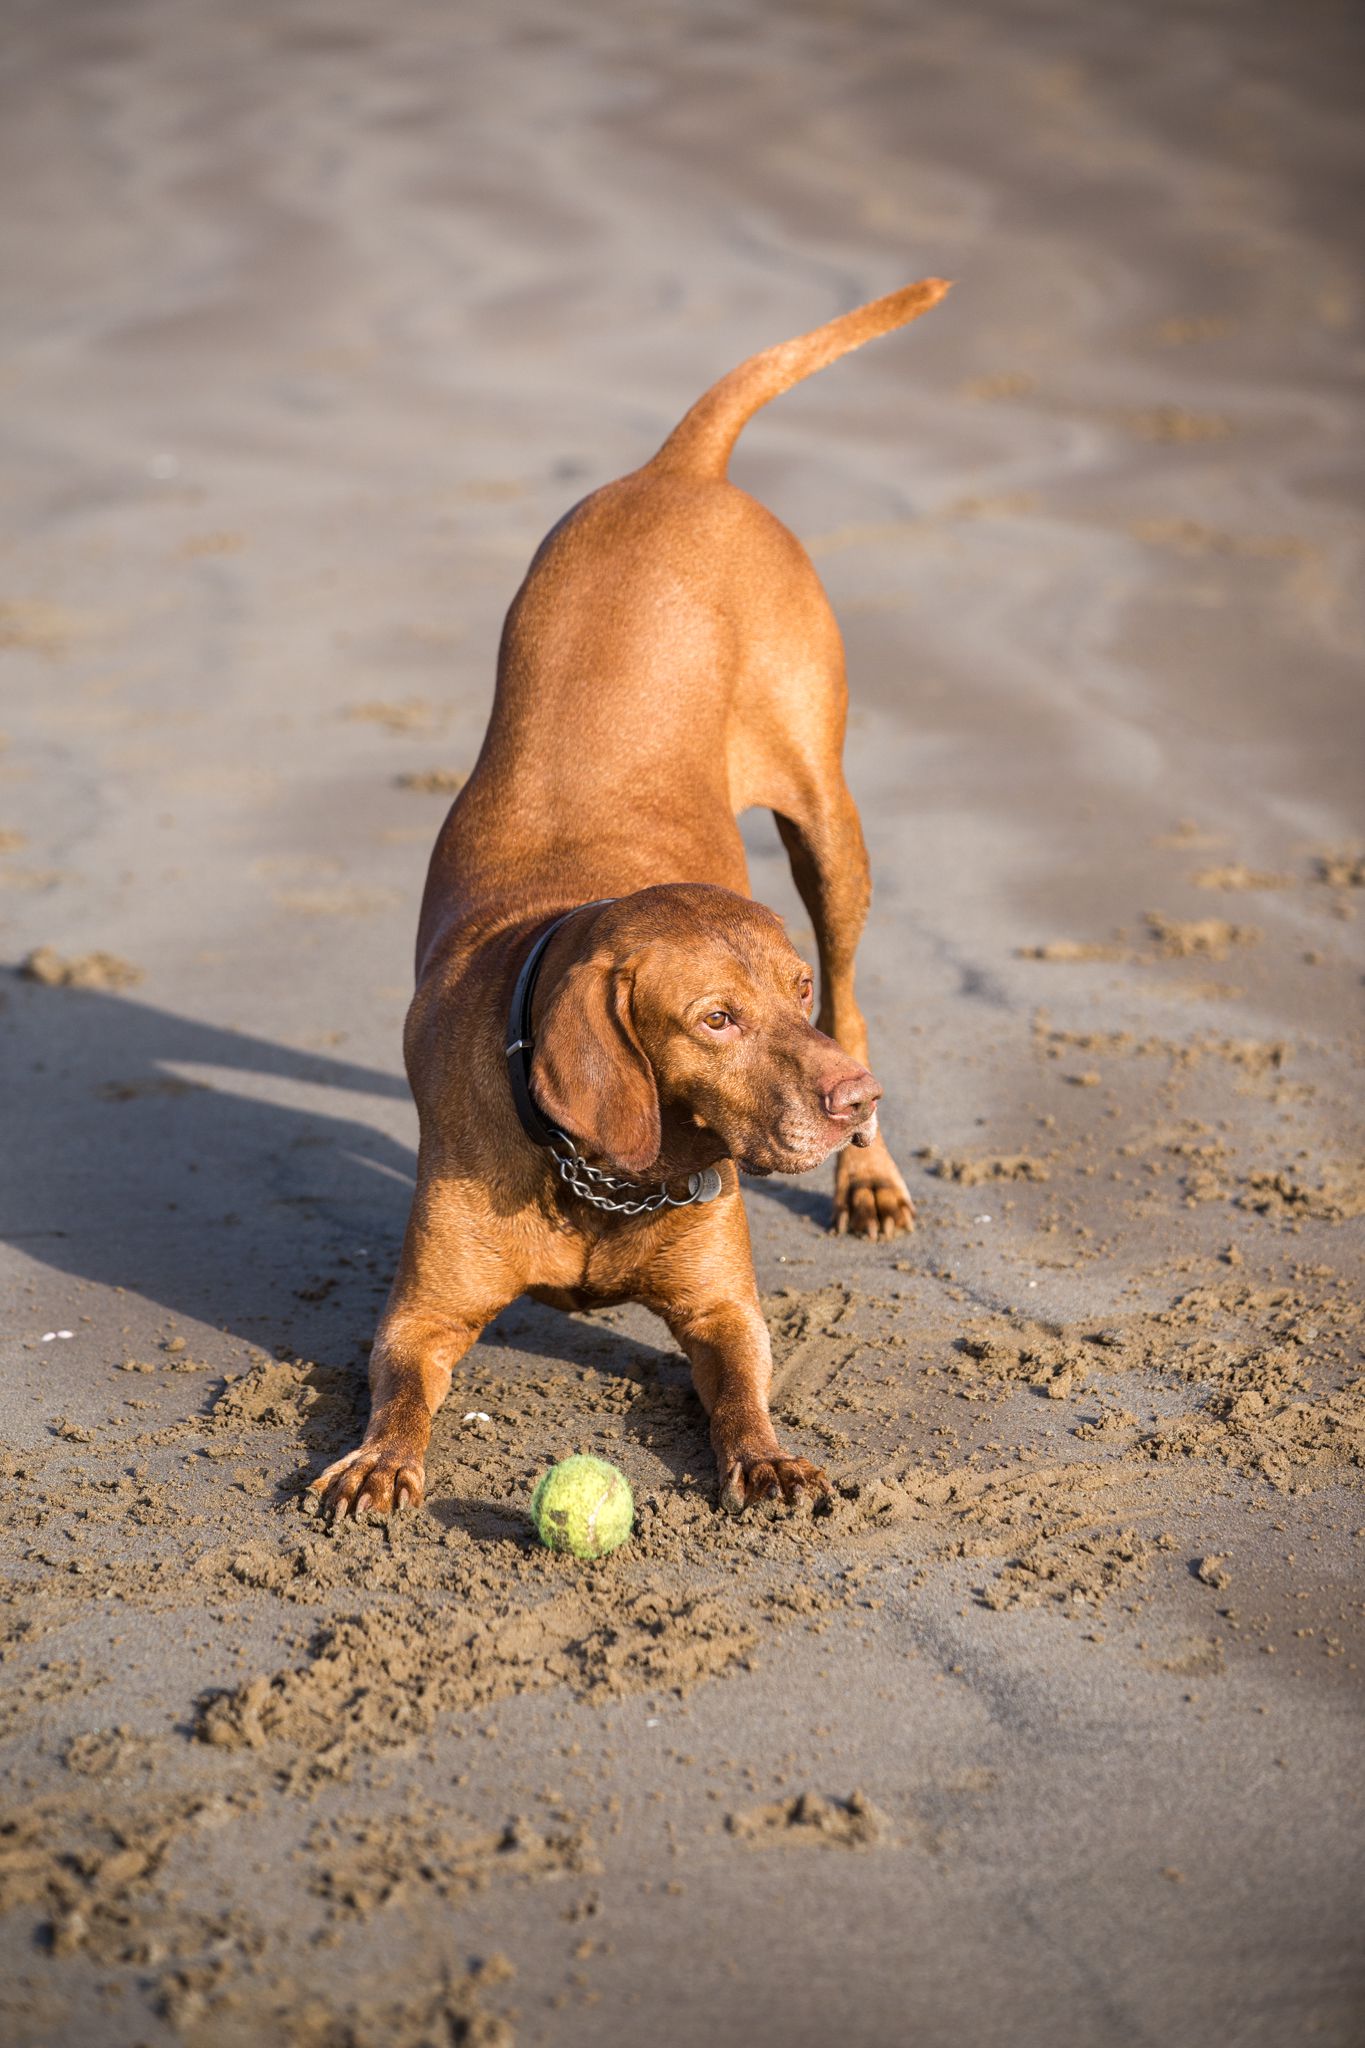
{"x": 583, "y": 1505}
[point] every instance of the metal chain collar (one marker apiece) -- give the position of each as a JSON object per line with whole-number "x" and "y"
{"x": 585, "y": 1181}
{"x": 589, "y": 1183}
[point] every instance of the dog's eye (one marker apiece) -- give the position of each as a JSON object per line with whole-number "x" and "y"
{"x": 807, "y": 992}
{"x": 716, "y": 1020}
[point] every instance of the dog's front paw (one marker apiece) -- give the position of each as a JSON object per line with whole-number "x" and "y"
{"x": 383, "y": 1476}
{"x": 748, "y": 1480}
{"x": 870, "y": 1197}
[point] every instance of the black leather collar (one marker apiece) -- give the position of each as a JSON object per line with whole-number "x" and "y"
{"x": 591, "y": 1183}
{"x": 520, "y": 1043}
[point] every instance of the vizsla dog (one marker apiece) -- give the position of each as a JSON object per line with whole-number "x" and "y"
{"x": 606, "y": 1027}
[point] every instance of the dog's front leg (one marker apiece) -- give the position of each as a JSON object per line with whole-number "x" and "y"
{"x": 414, "y": 1354}
{"x": 727, "y": 1343}
{"x": 452, "y": 1280}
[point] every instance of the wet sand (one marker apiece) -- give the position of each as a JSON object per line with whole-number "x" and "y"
{"x": 1050, "y": 1728}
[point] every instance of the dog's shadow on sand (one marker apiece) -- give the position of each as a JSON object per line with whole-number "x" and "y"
{"x": 157, "y": 1153}
{"x": 664, "y": 1414}
{"x": 233, "y": 1180}
{"x": 809, "y": 1202}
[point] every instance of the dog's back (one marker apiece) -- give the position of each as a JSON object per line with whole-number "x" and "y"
{"x": 669, "y": 660}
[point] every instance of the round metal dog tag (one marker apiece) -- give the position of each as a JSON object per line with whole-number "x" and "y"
{"x": 704, "y": 1186}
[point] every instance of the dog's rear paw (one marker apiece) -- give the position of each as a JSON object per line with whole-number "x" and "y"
{"x": 870, "y": 1198}
{"x": 381, "y": 1476}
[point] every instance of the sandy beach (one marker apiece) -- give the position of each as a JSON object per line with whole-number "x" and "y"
{"x": 316, "y": 317}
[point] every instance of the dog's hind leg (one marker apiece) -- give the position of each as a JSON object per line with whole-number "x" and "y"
{"x": 830, "y": 868}
{"x": 786, "y": 754}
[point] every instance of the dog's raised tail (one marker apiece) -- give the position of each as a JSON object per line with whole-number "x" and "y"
{"x": 700, "y": 444}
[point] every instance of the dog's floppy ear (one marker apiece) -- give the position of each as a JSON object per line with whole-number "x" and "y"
{"x": 589, "y": 1074}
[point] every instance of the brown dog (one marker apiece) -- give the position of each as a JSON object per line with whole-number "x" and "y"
{"x": 590, "y": 1074}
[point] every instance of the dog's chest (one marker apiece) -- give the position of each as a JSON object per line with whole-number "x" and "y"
{"x": 589, "y": 1267}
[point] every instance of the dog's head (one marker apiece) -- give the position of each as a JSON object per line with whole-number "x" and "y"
{"x": 682, "y": 1032}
